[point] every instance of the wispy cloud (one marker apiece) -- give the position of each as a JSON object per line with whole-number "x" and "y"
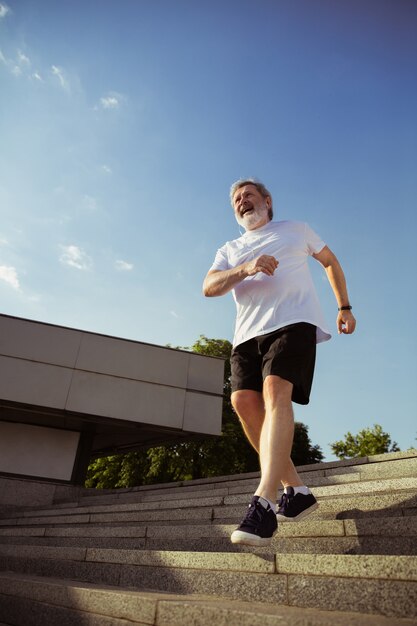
{"x": 90, "y": 203}
{"x": 174, "y": 314}
{"x": 23, "y": 59}
{"x": 111, "y": 101}
{"x": 75, "y": 257}
{"x": 106, "y": 169}
{"x": 9, "y": 275}
{"x": 123, "y": 266}
{"x": 19, "y": 65}
{"x": 4, "y": 10}
{"x": 59, "y": 73}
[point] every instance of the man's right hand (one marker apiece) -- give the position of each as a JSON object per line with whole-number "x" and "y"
{"x": 265, "y": 263}
{"x": 219, "y": 282}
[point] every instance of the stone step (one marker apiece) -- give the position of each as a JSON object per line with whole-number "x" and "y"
{"x": 336, "y": 475}
{"x": 28, "y": 600}
{"x": 385, "y": 585}
{"x": 397, "y": 504}
{"x": 315, "y": 476}
{"x": 365, "y": 536}
{"x": 201, "y": 507}
{"x": 401, "y": 463}
{"x": 310, "y": 545}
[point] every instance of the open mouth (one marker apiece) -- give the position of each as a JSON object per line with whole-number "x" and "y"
{"x": 247, "y": 209}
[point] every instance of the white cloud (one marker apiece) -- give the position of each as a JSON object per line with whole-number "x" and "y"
{"x": 22, "y": 58}
{"x": 124, "y": 266}
{"x": 4, "y": 10}
{"x": 107, "y": 169}
{"x": 174, "y": 314}
{"x": 75, "y": 257}
{"x": 9, "y": 275}
{"x": 112, "y": 100}
{"x": 90, "y": 203}
{"x": 59, "y": 73}
{"x": 109, "y": 102}
{"x": 37, "y": 76}
{"x": 17, "y": 66}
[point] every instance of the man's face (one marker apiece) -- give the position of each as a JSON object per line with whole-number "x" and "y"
{"x": 250, "y": 207}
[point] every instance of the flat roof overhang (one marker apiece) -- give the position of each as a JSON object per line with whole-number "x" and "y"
{"x": 116, "y": 393}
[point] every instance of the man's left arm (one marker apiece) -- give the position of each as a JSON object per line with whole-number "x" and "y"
{"x": 345, "y": 322}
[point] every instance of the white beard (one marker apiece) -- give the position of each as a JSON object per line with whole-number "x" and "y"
{"x": 250, "y": 220}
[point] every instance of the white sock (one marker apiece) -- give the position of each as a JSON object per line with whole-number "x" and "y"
{"x": 265, "y": 502}
{"x": 304, "y": 490}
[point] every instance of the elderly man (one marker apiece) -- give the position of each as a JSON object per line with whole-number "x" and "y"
{"x": 279, "y": 322}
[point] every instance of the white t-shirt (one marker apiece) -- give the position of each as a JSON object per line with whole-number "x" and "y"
{"x": 267, "y": 303}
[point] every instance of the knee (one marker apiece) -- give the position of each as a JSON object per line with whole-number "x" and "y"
{"x": 246, "y": 403}
{"x": 277, "y": 390}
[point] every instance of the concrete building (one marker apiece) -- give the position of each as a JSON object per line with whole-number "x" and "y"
{"x": 66, "y": 395}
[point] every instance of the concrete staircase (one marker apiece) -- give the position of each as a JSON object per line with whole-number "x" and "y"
{"x": 161, "y": 555}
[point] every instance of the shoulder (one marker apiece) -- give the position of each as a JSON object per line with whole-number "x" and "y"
{"x": 233, "y": 244}
{"x": 290, "y": 227}
{"x": 287, "y": 225}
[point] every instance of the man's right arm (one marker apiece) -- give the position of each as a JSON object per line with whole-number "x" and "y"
{"x": 220, "y": 282}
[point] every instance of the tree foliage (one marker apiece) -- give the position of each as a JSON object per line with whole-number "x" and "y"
{"x": 199, "y": 458}
{"x": 368, "y": 441}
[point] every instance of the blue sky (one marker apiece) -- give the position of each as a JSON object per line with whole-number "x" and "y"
{"x": 122, "y": 127}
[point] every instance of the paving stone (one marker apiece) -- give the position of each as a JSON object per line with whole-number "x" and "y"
{"x": 189, "y": 515}
{"x": 373, "y": 486}
{"x": 390, "y": 469}
{"x": 197, "y": 530}
{"x": 233, "y": 613}
{"x": 17, "y": 531}
{"x": 384, "y": 597}
{"x": 44, "y": 552}
{"x": 110, "y": 601}
{"x": 360, "y": 566}
{"x": 97, "y": 531}
{"x": 55, "y": 519}
{"x": 195, "y": 560}
{"x": 271, "y": 588}
{"x": 28, "y": 612}
{"x": 106, "y": 573}
{"x": 391, "y": 527}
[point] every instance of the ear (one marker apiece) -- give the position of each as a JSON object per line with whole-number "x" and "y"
{"x": 268, "y": 202}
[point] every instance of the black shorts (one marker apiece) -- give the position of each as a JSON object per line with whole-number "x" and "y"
{"x": 288, "y": 352}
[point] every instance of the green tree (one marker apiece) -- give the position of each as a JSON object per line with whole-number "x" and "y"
{"x": 303, "y": 452}
{"x": 200, "y": 458}
{"x": 368, "y": 441}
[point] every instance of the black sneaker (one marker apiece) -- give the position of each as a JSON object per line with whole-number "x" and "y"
{"x": 257, "y": 527}
{"x": 294, "y": 507}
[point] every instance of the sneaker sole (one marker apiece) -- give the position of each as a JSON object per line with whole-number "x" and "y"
{"x": 247, "y": 539}
{"x": 300, "y": 516}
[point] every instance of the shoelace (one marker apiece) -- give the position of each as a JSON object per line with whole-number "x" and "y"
{"x": 254, "y": 515}
{"x": 285, "y": 500}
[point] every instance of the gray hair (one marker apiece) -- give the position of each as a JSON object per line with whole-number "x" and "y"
{"x": 259, "y": 186}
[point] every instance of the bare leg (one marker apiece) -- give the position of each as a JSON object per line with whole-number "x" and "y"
{"x": 250, "y": 408}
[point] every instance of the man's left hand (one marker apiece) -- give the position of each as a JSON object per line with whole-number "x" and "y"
{"x": 345, "y": 322}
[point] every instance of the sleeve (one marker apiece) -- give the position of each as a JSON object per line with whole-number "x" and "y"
{"x": 313, "y": 242}
{"x": 221, "y": 261}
